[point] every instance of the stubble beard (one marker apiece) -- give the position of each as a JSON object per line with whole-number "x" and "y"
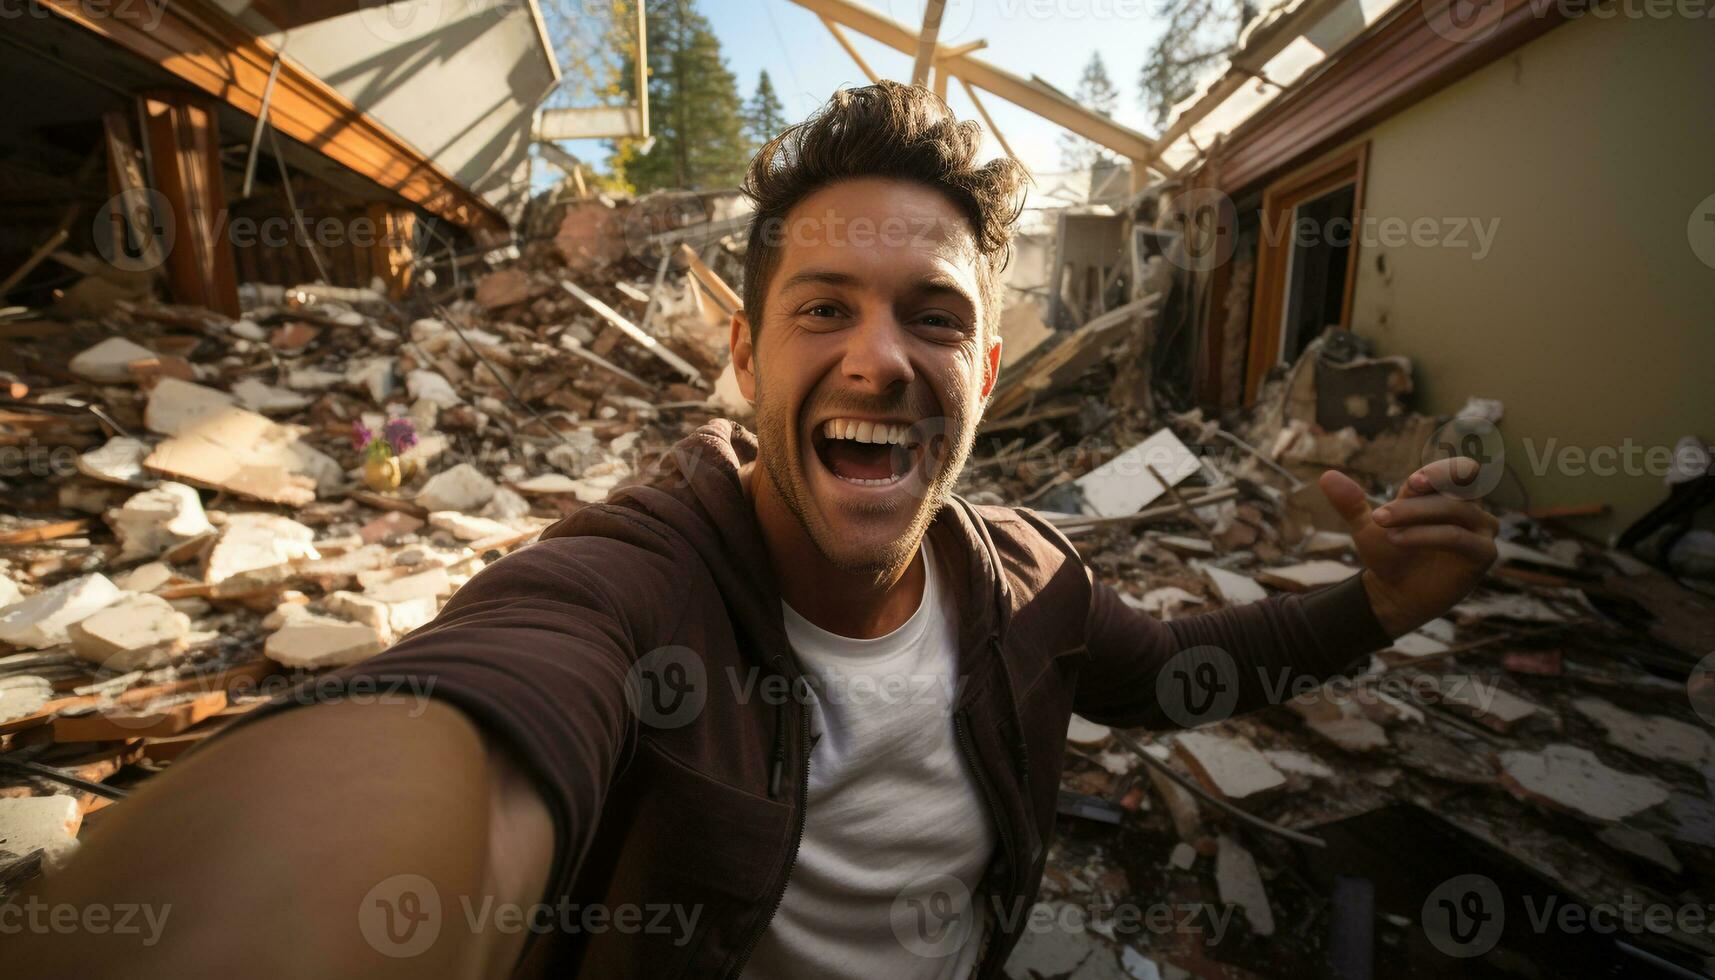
{"x": 775, "y": 429}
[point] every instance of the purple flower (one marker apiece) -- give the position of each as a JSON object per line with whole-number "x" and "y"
{"x": 400, "y": 434}
{"x": 360, "y": 434}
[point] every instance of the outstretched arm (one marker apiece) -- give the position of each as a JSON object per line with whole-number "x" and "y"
{"x": 318, "y": 839}
{"x": 1421, "y": 554}
{"x": 283, "y": 850}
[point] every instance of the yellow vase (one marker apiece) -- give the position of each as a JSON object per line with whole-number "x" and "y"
{"x": 383, "y": 474}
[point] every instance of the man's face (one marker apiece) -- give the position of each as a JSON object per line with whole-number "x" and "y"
{"x": 870, "y": 367}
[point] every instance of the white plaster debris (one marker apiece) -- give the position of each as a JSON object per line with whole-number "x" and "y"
{"x": 253, "y": 540}
{"x": 430, "y": 386}
{"x": 1573, "y": 779}
{"x": 461, "y": 488}
{"x": 109, "y": 361}
{"x": 152, "y": 521}
{"x": 136, "y": 632}
{"x": 118, "y": 460}
{"x": 1231, "y": 766}
{"x": 45, "y": 823}
{"x": 41, "y": 620}
{"x": 310, "y": 641}
{"x": 1650, "y": 736}
{"x": 1241, "y": 884}
{"x": 22, "y": 695}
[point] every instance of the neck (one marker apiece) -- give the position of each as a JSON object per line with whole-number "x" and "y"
{"x": 861, "y": 606}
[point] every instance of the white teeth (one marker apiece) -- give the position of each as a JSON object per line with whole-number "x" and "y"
{"x": 880, "y": 433}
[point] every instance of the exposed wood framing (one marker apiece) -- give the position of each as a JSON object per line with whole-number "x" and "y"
{"x": 845, "y": 42}
{"x": 184, "y": 162}
{"x": 983, "y": 112}
{"x": 203, "y": 46}
{"x": 1022, "y": 92}
{"x": 391, "y": 253}
{"x": 926, "y": 41}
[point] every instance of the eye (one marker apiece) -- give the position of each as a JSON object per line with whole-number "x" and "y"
{"x": 823, "y": 310}
{"x": 940, "y": 326}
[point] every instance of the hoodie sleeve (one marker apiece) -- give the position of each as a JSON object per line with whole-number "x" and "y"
{"x": 1142, "y": 672}
{"x": 536, "y": 649}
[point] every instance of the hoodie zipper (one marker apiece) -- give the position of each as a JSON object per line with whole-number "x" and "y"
{"x": 797, "y": 835}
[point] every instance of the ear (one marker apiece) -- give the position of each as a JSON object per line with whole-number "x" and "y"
{"x": 991, "y": 365}
{"x": 743, "y": 356}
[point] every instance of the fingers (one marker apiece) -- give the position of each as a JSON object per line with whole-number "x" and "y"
{"x": 1454, "y": 476}
{"x": 1436, "y": 509}
{"x": 1346, "y": 497}
{"x": 1476, "y": 546}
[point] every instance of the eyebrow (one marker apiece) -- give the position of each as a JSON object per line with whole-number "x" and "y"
{"x": 935, "y": 282}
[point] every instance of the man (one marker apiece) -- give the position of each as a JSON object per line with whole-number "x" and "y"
{"x": 791, "y": 710}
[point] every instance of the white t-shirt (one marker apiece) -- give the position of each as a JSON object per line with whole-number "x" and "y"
{"x": 897, "y": 835}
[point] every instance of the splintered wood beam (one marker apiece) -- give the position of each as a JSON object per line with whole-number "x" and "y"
{"x": 845, "y": 42}
{"x": 926, "y": 40}
{"x": 637, "y": 336}
{"x": 184, "y": 156}
{"x": 1040, "y": 99}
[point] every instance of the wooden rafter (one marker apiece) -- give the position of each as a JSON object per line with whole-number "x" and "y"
{"x": 926, "y": 41}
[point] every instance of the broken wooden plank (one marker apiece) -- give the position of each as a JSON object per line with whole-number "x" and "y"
{"x": 637, "y": 336}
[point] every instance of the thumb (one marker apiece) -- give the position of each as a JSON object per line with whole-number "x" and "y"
{"x": 1346, "y": 496}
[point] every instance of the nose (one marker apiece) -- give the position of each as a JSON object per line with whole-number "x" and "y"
{"x": 875, "y": 356}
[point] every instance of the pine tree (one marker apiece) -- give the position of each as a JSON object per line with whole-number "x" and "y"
{"x": 764, "y": 116}
{"x": 1095, "y": 91}
{"x": 695, "y": 114}
{"x": 1198, "y": 33}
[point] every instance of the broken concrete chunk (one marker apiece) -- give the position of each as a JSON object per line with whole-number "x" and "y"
{"x": 310, "y": 642}
{"x": 467, "y": 527}
{"x": 463, "y": 488}
{"x": 155, "y": 520}
{"x": 1301, "y": 763}
{"x": 1650, "y": 736}
{"x": 548, "y": 483}
{"x": 1418, "y": 644}
{"x": 119, "y": 460}
{"x": 1306, "y": 576}
{"x": 220, "y": 445}
{"x": 1124, "y": 485}
{"x": 45, "y": 823}
{"x": 256, "y": 540}
{"x": 1183, "y": 856}
{"x": 1351, "y": 734}
{"x": 1573, "y": 779}
{"x": 1083, "y": 732}
{"x": 1241, "y": 884}
{"x": 22, "y": 695}
{"x": 374, "y": 375}
{"x": 267, "y": 399}
{"x": 506, "y": 505}
{"x": 41, "y": 620}
{"x": 109, "y": 361}
{"x": 1230, "y": 766}
{"x": 430, "y": 386}
{"x": 1485, "y": 701}
{"x": 431, "y": 583}
{"x": 135, "y": 633}
{"x": 1233, "y": 588}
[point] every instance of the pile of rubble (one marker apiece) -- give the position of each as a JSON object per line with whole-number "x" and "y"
{"x": 1547, "y": 717}
{"x": 195, "y": 529}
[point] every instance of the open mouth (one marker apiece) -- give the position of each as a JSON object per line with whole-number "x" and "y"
{"x": 865, "y": 452}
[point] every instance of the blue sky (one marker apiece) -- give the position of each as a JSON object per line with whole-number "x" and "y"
{"x": 1050, "y": 38}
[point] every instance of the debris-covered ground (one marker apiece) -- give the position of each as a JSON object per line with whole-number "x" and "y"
{"x": 207, "y": 510}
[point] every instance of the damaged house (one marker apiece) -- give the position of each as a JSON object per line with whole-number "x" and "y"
{"x": 1380, "y": 234}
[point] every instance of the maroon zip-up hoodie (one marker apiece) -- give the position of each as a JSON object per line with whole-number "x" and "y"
{"x": 636, "y": 662}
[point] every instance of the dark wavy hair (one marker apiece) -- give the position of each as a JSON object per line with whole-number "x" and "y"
{"x": 883, "y": 130}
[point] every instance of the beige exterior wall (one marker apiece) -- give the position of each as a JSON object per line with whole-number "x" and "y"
{"x": 1590, "y": 153}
